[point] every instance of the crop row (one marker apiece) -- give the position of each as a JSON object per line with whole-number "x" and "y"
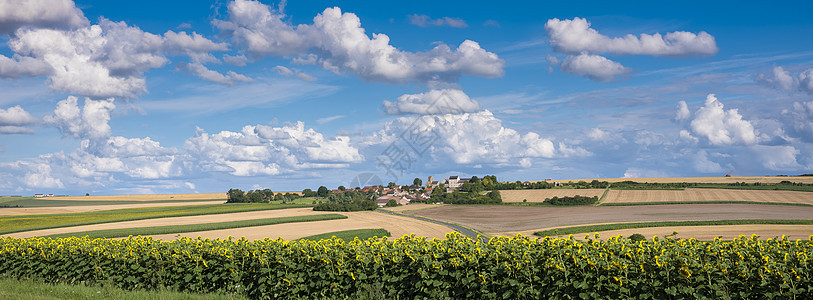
{"x": 414, "y": 267}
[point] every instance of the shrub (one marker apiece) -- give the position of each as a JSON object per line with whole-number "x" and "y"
{"x": 569, "y": 201}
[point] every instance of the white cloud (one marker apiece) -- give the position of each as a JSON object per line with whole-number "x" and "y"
{"x": 13, "y": 120}
{"x": 90, "y": 123}
{"x": 778, "y": 78}
{"x": 567, "y": 151}
{"x": 22, "y": 66}
{"x": 269, "y": 150}
{"x": 433, "y": 102}
{"x": 230, "y": 78}
{"x": 645, "y": 173}
{"x": 575, "y": 36}
{"x": 777, "y": 158}
{"x": 425, "y": 21}
{"x": 799, "y": 120}
{"x": 720, "y": 126}
{"x": 806, "y": 81}
{"x": 338, "y": 43}
{"x": 471, "y": 138}
{"x": 592, "y": 66}
{"x": 598, "y": 134}
{"x": 703, "y": 164}
{"x": 285, "y": 71}
{"x": 324, "y": 120}
{"x": 61, "y": 14}
{"x": 683, "y": 112}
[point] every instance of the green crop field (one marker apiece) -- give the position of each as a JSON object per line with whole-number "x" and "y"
{"x": 605, "y": 227}
{"x": 155, "y": 230}
{"x": 37, "y": 289}
{"x": 349, "y": 235}
{"x": 11, "y": 224}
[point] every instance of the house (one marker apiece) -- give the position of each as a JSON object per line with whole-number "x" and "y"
{"x": 383, "y": 200}
{"x": 38, "y": 195}
{"x": 49, "y": 195}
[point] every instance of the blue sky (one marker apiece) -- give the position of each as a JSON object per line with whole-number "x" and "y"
{"x": 110, "y": 97}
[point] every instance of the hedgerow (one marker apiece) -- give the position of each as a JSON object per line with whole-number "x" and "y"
{"x": 414, "y": 267}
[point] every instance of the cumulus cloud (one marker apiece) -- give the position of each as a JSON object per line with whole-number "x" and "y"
{"x": 107, "y": 59}
{"x": 425, "y": 21}
{"x": 575, "y": 36}
{"x": 720, "y": 126}
{"x": 568, "y": 151}
{"x": 799, "y": 120}
{"x": 13, "y": 120}
{"x": 337, "y": 42}
{"x": 683, "y": 112}
{"x": 472, "y": 138}
{"x": 806, "y": 81}
{"x": 778, "y": 78}
{"x": 777, "y": 158}
{"x": 60, "y": 14}
{"x": 703, "y": 164}
{"x": 266, "y": 150}
{"x": 592, "y": 66}
{"x": 90, "y": 123}
{"x": 442, "y": 101}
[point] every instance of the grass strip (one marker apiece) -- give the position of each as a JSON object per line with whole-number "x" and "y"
{"x": 349, "y": 235}
{"x": 46, "y": 202}
{"x": 701, "y": 202}
{"x": 36, "y": 289}
{"x": 144, "y": 231}
{"x": 605, "y": 227}
{"x": 12, "y": 224}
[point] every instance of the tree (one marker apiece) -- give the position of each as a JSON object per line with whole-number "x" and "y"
{"x": 308, "y": 193}
{"x": 438, "y": 193}
{"x": 391, "y": 184}
{"x": 417, "y": 181}
{"x": 322, "y": 191}
{"x": 87, "y": 194}
{"x": 236, "y": 196}
{"x": 342, "y": 188}
{"x": 268, "y": 195}
{"x": 391, "y": 203}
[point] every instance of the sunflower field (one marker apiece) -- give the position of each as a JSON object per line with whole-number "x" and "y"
{"x": 414, "y": 267}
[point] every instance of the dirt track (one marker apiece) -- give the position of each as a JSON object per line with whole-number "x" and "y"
{"x": 541, "y": 195}
{"x": 500, "y": 219}
{"x": 700, "y": 195}
{"x": 77, "y": 209}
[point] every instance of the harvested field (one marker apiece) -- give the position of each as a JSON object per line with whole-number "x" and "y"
{"x": 710, "y": 232}
{"x": 158, "y": 197}
{"x": 541, "y": 195}
{"x": 513, "y": 219}
{"x": 13, "y": 211}
{"x": 700, "y": 195}
{"x": 411, "y": 207}
{"x": 748, "y": 179}
{"x": 396, "y": 225}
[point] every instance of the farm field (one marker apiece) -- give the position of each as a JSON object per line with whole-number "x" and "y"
{"x": 411, "y": 207}
{"x": 156, "y": 197}
{"x": 398, "y": 226}
{"x": 15, "y": 211}
{"x": 700, "y": 195}
{"x": 509, "y": 220}
{"x": 705, "y": 233}
{"x": 541, "y": 195}
{"x": 748, "y": 179}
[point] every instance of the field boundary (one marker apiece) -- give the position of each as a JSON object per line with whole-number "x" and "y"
{"x": 114, "y": 212}
{"x": 471, "y": 233}
{"x": 145, "y": 231}
{"x": 633, "y": 225}
{"x": 349, "y": 235}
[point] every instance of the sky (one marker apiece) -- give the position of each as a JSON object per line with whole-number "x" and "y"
{"x": 135, "y": 97}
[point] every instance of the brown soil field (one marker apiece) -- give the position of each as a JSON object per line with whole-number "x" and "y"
{"x": 700, "y": 195}
{"x": 411, "y": 207}
{"x": 512, "y": 219}
{"x": 541, "y": 195}
{"x": 396, "y": 225}
{"x": 749, "y": 179}
{"x": 706, "y": 233}
{"x": 76, "y": 209}
{"x": 157, "y": 197}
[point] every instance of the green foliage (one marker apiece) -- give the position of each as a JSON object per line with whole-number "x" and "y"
{"x": 458, "y": 197}
{"x": 348, "y": 201}
{"x": 417, "y": 181}
{"x": 392, "y": 203}
{"x": 258, "y": 196}
{"x": 632, "y": 185}
{"x": 11, "y": 224}
{"x": 637, "y": 237}
{"x": 417, "y": 268}
{"x": 114, "y": 233}
{"x": 37, "y": 289}
{"x": 349, "y": 235}
{"x": 308, "y": 193}
{"x": 322, "y": 192}
{"x": 570, "y": 201}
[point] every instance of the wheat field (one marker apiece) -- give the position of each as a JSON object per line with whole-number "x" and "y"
{"x": 701, "y": 195}
{"x": 541, "y": 195}
{"x": 163, "y": 197}
{"x": 749, "y": 179}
